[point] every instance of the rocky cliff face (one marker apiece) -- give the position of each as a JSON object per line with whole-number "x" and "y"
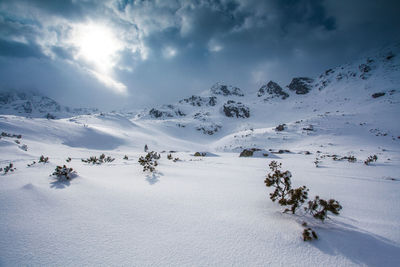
{"x": 226, "y": 90}
{"x": 236, "y": 109}
{"x": 301, "y": 85}
{"x": 272, "y": 90}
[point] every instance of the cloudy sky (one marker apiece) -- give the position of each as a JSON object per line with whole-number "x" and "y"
{"x": 126, "y": 53}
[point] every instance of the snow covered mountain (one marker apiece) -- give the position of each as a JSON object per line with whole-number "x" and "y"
{"x": 31, "y": 104}
{"x": 210, "y": 210}
{"x": 363, "y": 93}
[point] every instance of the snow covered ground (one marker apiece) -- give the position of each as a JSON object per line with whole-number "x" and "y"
{"x": 212, "y": 210}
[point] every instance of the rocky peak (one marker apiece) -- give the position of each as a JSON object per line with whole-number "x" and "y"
{"x": 301, "y": 85}
{"x": 271, "y": 90}
{"x": 226, "y": 90}
{"x": 200, "y": 101}
{"x": 236, "y": 109}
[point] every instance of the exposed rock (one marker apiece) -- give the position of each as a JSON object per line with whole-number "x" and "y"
{"x": 281, "y": 151}
{"x": 226, "y": 90}
{"x": 364, "y": 68}
{"x": 50, "y": 116}
{"x": 280, "y": 127}
{"x": 167, "y": 111}
{"x": 309, "y": 128}
{"x": 201, "y": 116}
{"x": 236, "y": 109}
{"x": 273, "y": 90}
{"x": 376, "y": 95}
{"x": 301, "y": 85}
{"x": 200, "y": 101}
{"x": 27, "y": 107}
{"x": 209, "y": 129}
{"x": 255, "y": 152}
{"x": 155, "y": 113}
{"x": 390, "y": 55}
{"x": 246, "y": 153}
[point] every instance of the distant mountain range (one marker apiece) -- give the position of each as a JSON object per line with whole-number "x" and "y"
{"x": 32, "y": 104}
{"x": 367, "y": 85}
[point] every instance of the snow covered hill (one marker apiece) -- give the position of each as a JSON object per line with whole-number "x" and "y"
{"x": 212, "y": 210}
{"x": 31, "y": 104}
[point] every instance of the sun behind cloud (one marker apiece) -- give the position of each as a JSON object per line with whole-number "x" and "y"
{"x": 98, "y": 48}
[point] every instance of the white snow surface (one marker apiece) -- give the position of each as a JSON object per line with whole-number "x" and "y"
{"x": 213, "y": 210}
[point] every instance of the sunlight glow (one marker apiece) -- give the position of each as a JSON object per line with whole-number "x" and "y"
{"x": 98, "y": 47}
{"x": 97, "y": 44}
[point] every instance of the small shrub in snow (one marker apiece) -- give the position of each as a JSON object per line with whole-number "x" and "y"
{"x": 50, "y": 116}
{"x": 146, "y": 148}
{"x": 149, "y": 162}
{"x": 351, "y": 158}
{"x": 280, "y": 127}
{"x": 283, "y": 192}
{"x": 170, "y": 157}
{"x": 4, "y": 134}
{"x": 295, "y": 198}
{"x": 126, "y": 157}
{"x": 319, "y": 208}
{"x": 379, "y": 94}
{"x": 31, "y": 164}
{"x": 308, "y": 233}
{"x": 317, "y": 162}
{"x": 100, "y": 160}
{"x": 68, "y": 159}
{"x": 17, "y": 142}
{"x": 9, "y": 168}
{"x": 309, "y": 128}
{"x": 64, "y": 173}
{"x": 371, "y": 159}
{"x": 43, "y": 159}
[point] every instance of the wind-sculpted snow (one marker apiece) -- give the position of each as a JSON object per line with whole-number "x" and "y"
{"x": 93, "y": 139}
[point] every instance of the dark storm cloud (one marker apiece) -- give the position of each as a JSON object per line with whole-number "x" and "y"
{"x": 311, "y": 12}
{"x": 16, "y": 49}
{"x": 174, "y": 48}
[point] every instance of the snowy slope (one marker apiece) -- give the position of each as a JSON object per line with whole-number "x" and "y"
{"x": 211, "y": 210}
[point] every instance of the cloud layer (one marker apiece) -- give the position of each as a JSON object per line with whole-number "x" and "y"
{"x": 113, "y": 53}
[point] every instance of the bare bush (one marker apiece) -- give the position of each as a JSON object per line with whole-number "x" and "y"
{"x": 64, "y": 173}
{"x": 149, "y": 162}
{"x": 8, "y": 168}
{"x": 371, "y": 159}
{"x": 100, "y": 160}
